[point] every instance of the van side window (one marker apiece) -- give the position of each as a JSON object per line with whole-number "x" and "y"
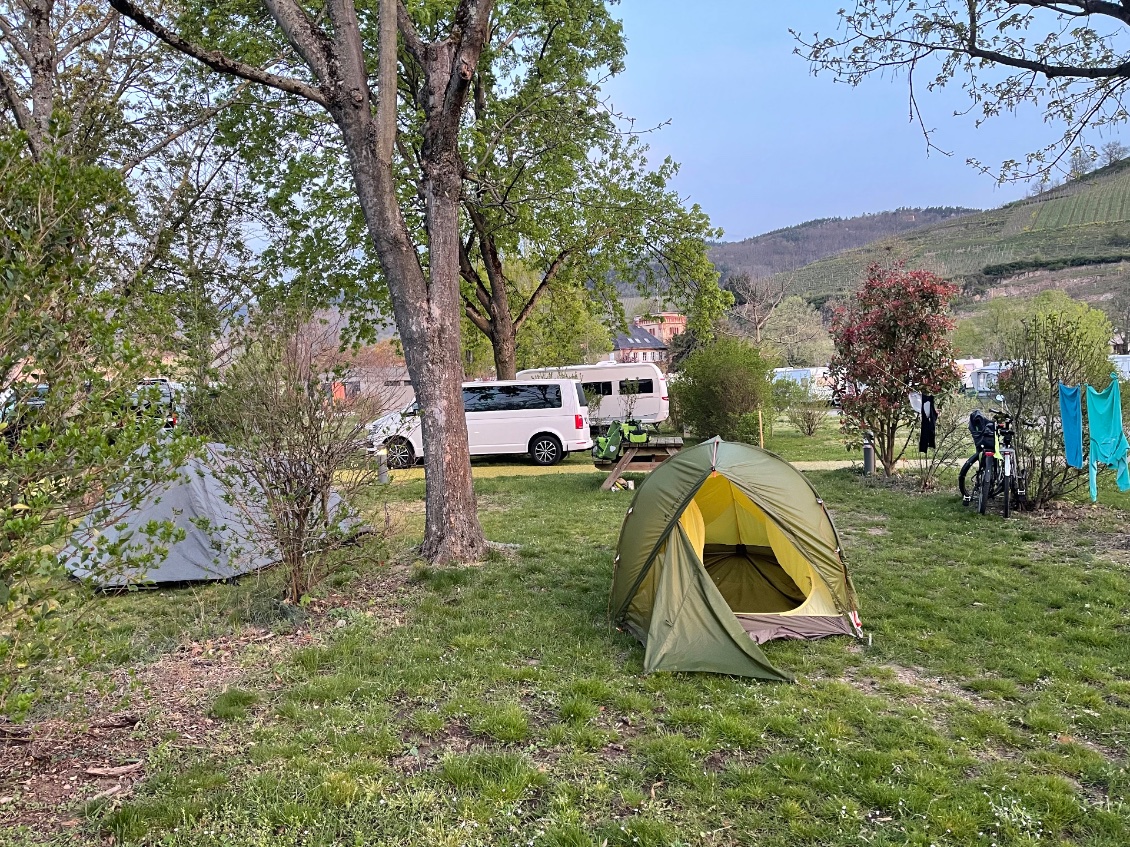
{"x": 597, "y": 389}
{"x": 637, "y": 386}
{"x": 511, "y": 398}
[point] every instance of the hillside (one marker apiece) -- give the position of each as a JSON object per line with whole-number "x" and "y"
{"x": 795, "y": 246}
{"x": 1075, "y": 237}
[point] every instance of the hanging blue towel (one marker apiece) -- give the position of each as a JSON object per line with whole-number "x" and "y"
{"x": 1108, "y": 441}
{"x": 1071, "y": 413}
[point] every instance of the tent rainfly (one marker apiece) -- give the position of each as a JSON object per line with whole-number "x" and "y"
{"x": 221, "y": 528}
{"x": 725, "y": 547}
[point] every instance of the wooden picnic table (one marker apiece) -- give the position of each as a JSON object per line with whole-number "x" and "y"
{"x": 640, "y": 458}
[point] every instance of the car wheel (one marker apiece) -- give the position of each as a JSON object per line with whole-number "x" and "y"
{"x": 400, "y": 454}
{"x": 545, "y": 450}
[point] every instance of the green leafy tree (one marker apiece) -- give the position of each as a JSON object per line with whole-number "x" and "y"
{"x": 795, "y": 331}
{"x": 891, "y": 340}
{"x": 72, "y": 423}
{"x": 557, "y": 178}
{"x": 721, "y": 384}
{"x": 1069, "y": 59}
{"x": 330, "y": 61}
{"x": 562, "y": 331}
{"x": 1118, "y": 310}
{"x": 988, "y": 334}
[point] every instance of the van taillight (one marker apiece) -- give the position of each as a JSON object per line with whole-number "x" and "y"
{"x": 579, "y": 421}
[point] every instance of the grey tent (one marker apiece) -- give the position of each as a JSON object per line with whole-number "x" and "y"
{"x": 222, "y": 528}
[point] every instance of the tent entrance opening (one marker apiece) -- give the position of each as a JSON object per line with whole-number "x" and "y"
{"x": 755, "y": 566}
{"x": 751, "y": 579}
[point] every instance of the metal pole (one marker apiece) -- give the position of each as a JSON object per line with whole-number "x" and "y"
{"x": 868, "y": 454}
{"x": 382, "y": 465}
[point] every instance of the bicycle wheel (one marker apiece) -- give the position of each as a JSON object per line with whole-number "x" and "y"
{"x": 965, "y": 484}
{"x": 988, "y": 478}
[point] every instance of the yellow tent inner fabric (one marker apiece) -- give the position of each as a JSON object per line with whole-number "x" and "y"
{"x": 755, "y": 566}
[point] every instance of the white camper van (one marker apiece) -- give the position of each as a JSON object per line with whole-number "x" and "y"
{"x": 547, "y": 418}
{"x": 616, "y": 389}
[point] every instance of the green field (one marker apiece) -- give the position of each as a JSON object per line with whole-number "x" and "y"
{"x": 1088, "y": 218}
{"x": 493, "y": 704}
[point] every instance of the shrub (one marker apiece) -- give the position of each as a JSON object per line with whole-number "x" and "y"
{"x": 807, "y": 416}
{"x": 891, "y": 341}
{"x": 1065, "y": 341}
{"x": 719, "y": 384}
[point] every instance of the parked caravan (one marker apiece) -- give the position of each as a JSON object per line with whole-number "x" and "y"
{"x": 965, "y": 368}
{"x": 547, "y": 418}
{"x": 813, "y": 380}
{"x": 983, "y": 381}
{"x": 1122, "y": 365}
{"x": 616, "y": 391}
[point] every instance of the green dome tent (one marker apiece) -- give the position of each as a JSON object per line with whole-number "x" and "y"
{"x": 724, "y": 547}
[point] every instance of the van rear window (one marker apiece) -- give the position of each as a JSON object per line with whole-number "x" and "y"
{"x": 511, "y": 398}
{"x": 582, "y": 400}
{"x": 637, "y": 386}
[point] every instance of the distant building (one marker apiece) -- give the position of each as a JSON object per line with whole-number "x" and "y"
{"x": 664, "y": 326}
{"x": 639, "y": 345}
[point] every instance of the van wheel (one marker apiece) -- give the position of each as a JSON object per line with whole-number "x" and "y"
{"x": 400, "y": 453}
{"x": 545, "y": 449}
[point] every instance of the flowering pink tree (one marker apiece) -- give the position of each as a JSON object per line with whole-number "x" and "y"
{"x": 891, "y": 340}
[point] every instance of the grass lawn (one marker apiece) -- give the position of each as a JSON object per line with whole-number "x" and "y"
{"x": 493, "y": 704}
{"x": 826, "y": 445}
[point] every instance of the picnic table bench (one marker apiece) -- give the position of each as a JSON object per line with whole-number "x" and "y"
{"x": 639, "y": 458}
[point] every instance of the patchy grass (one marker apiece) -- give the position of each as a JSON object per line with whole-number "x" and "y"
{"x": 825, "y": 445}
{"x": 992, "y": 707}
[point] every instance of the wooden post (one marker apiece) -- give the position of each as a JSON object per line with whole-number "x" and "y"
{"x": 760, "y": 431}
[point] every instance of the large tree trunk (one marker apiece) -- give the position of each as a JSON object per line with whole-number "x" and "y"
{"x": 425, "y": 310}
{"x": 431, "y": 351}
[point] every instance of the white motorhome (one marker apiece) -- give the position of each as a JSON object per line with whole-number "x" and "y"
{"x": 814, "y": 380}
{"x": 616, "y": 390}
{"x": 547, "y": 418}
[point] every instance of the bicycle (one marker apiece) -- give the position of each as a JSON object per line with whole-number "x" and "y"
{"x": 1002, "y": 468}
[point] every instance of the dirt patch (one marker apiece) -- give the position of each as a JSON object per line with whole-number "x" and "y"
{"x": 49, "y": 769}
{"x": 932, "y": 688}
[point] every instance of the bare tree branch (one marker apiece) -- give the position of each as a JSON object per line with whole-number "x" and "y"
{"x": 24, "y": 121}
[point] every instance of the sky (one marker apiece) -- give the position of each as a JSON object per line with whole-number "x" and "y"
{"x": 763, "y": 144}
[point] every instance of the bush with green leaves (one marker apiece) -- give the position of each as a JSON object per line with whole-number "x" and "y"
{"x": 75, "y": 437}
{"x": 1060, "y": 340}
{"x": 719, "y": 384}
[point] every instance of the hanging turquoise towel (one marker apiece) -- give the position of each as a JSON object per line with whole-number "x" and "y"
{"x": 1071, "y": 413}
{"x": 1108, "y": 441}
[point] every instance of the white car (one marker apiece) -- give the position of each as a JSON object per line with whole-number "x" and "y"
{"x": 547, "y": 418}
